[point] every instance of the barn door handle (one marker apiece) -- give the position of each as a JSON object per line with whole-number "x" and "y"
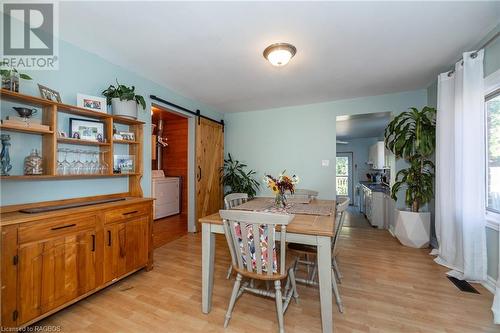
{"x": 93, "y": 243}
{"x": 109, "y": 237}
{"x": 199, "y": 173}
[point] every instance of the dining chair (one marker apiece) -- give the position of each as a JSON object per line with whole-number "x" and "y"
{"x": 251, "y": 237}
{"x": 308, "y": 250}
{"x": 230, "y": 201}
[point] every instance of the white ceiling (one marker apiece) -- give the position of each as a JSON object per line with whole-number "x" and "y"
{"x": 212, "y": 51}
{"x": 368, "y": 125}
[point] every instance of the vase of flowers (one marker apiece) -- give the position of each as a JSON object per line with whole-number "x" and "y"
{"x": 280, "y": 186}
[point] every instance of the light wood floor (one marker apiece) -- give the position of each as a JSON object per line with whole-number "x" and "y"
{"x": 386, "y": 288}
{"x": 355, "y": 219}
{"x": 168, "y": 229}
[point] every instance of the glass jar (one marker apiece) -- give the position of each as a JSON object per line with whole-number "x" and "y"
{"x": 33, "y": 163}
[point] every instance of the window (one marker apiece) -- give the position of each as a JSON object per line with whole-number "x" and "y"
{"x": 492, "y": 106}
{"x": 342, "y": 175}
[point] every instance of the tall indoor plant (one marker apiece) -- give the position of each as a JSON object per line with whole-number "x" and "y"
{"x": 412, "y": 136}
{"x": 123, "y": 100}
{"x": 236, "y": 180}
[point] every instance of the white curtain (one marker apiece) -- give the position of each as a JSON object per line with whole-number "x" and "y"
{"x": 460, "y": 170}
{"x": 496, "y": 301}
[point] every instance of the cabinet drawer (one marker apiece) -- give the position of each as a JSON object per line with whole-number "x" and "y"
{"x": 123, "y": 213}
{"x": 49, "y": 228}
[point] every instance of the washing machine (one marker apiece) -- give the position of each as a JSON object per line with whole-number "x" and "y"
{"x": 167, "y": 192}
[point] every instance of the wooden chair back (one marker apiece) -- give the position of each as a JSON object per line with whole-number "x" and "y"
{"x": 235, "y": 199}
{"x": 246, "y": 231}
{"x": 341, "y": 208}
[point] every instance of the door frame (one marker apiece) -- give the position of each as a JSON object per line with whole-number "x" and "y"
{"x": 350, "y": 155}
{"x": 191, "y": 182}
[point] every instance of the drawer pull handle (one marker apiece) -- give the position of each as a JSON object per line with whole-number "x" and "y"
{"x": 132, "y": 212}
{"x": 109, "y": 237}
{"x": 64, "y": 226}
{"x": 93, "y": 243}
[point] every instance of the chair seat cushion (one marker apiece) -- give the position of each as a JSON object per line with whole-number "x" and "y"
{"x": 303, "y": 248}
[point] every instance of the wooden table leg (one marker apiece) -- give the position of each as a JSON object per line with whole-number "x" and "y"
{"x": 325, "y": 282}
{"x": 207, "y": 267}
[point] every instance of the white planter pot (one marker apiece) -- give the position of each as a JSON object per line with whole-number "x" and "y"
{"x": 124, "y": 108}
{"x": 413, "y": 229}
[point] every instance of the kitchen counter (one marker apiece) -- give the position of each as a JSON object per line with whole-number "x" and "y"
{"x": 376, "y": 187}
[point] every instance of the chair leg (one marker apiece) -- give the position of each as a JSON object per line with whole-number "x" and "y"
{"x": 234, "y": 295}
{"x": 313, "y": 273}
{"x": 229, "y": 272}
{"x": 294, "y": 285}
{"x": 337, "y": 270}
{"x": 279, "y": 305}
{"x": 337, "y": 293}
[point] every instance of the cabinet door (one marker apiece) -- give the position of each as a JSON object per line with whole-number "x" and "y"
{"x": 114, "y": 251}
{"x": 126, "y": 247}
{"x": 136, "y": 243}
{"x": 54, "y": 271}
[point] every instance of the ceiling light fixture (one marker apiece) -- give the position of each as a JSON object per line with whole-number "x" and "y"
{"x": 279, "y": 54}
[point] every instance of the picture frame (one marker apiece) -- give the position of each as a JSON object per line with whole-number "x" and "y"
{"x": 127, "y": 136}
{"x": 49, "y": 94}
{"x": 93, "y": 103}
{"x": 123, "y": 164}
{"x": 85, "y": 129}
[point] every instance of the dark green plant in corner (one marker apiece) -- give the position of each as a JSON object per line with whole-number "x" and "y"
{"x": 412, "y": 136}
{"x": 234, "y": 176}
{"x": 124, "y": 93}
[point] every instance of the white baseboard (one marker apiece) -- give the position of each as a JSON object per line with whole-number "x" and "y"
{"x": 391, "y": 231}
{"x": 490, "y": 284}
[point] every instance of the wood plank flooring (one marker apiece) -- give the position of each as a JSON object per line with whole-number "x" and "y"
{"x": 386, "y": 288}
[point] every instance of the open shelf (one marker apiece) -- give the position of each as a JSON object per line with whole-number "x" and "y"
{"x": 58, "y": 177}
{"x": 25, "y": 99}
{"x": 24, "y": 129}
{"x": 82, "y": 142}
{"x": 126, "y": 142}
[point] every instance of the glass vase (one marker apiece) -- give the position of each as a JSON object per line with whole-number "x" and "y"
{"x": 280, "y": 200}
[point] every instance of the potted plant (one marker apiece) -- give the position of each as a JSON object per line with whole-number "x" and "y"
{"x": 123, "y": 100}
{"x": 10, "y": 77}
{"x": 412, "y": 136}
{"x": 236, "y": 180}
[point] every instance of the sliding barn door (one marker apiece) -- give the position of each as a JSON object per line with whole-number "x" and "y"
{"x": 209, "y": 160}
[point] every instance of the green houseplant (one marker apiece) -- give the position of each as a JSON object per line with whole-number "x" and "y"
{"x": 236, "y": 180}
{"x": 10, "y": 77}
{"x": 412, "y": 136}
{"x": 123, "y": 100}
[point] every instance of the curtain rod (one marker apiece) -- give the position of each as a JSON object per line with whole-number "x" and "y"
{"x": 474, "y": 54}
{"x": 197, "y": 113}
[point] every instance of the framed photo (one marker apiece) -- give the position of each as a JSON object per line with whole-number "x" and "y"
{"x": 123, "y": 163}
{"x": 128, "y": 136}
{"x": 49, "y": 94}
{"x": 91, "y": 103}
{"x": 85, "y": 129}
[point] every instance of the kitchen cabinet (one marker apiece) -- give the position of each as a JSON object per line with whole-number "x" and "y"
{"x": 378, "y": 156}
{"x": 378, "y": 208}
{"x": 389, "y": 212}
{"x": 52, "y": 259}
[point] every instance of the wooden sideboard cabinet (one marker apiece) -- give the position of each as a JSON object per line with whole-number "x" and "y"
{"x": 53, "y": 259}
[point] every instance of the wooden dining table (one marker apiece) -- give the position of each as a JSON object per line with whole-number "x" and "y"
{"x": 306, "y": 228}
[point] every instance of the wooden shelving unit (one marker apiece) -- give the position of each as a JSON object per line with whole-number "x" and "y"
{"x": 82, "y": 142}
{"x": 50, "y": 140}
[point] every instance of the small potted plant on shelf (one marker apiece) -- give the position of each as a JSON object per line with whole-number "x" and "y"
{"x": 11, "y": 77}
{"x": 236, "y": 180}
{"x": 412, "y": 137}
{"x": 123, "y": 100}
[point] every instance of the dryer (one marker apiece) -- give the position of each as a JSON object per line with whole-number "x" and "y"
{"x": 166, "y": 191}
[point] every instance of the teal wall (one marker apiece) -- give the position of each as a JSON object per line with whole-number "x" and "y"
{"x": 297, "y": 138}
{"x": 82, "y": 72}
{"x": 491, "y": 65}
